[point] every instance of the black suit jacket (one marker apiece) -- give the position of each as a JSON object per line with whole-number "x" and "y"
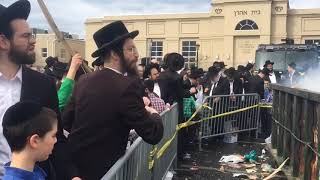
{"x": 224, "y": 87}
{"x": 256, "y": 85}
{"x": 103, "y": 108}
{"x": 40, "y": 88}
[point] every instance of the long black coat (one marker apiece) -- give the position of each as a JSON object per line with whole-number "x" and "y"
{"x": 104, "y": 107}
{"x": 40, "y": 88}
{"x": 256, "y": 85}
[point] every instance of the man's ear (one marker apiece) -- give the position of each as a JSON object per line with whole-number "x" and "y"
{"x": 4, "y": 42}
{"x": 114, "y": 55}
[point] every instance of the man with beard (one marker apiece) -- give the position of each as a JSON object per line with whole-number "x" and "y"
{"x": 274, "y": 77}
{"x": 106, "y": 105}
{"x": 19, "y": 83}
{"x": 153, "y": 72}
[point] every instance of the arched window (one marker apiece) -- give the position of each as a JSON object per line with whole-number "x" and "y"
{"x": 247, "y": 25}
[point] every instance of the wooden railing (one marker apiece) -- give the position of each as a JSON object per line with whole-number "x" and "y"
{"x": 296, "y": 120}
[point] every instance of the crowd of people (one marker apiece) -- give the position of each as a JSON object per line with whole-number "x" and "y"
{"x": 65, "y": 123}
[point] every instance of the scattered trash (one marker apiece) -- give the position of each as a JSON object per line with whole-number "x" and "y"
{"x": 187, "y": 156}
{"x": 267, "y": 168}
{"x": 240, "y": 175}
{"x": 194, "y": 168}
{"x": 169, "y": 175}
{"x": 234, "y": 166}
{"x": 230, "y": 138}
{"x": 263, "y": 151}
{"x": 222, "y": 169}
{"x": 253, "y": 170}
{"x": 245, "y": 176}
{"x": 232, "y": 159}
{"x": 268, "y": 140}
{"x": 249, "y": 165}
{"x": 251, "y": 157}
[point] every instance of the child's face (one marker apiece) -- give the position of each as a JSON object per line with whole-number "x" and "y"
{"x": 46, "y": 143}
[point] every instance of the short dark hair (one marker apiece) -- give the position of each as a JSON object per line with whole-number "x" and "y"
{"x": 150, "y": 67}
{"x": 149, "y": 84}
{"x": 117, "y": 48}
{"x": 25, "y": 119}
{"x": 6, "y": 29}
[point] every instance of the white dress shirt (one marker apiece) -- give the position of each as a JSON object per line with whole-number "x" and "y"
{"x": 10, "y": 92}
{"x": 273, "y": 78}
{"x": 231, "y": 88}
{"x": 156, "y": 89}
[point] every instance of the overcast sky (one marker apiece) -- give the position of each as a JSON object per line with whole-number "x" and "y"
{"x": 70, "y": 15}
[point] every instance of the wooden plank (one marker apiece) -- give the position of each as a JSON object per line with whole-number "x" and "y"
{"x": 288, "y": 124}
{"x": 308, "y": 134}
{"x": 281, "y": 121}
{"x": 297, "y": 112}
{"x": 303, "y": 93}
{"x": 276, "y": 117}
{"x": 318, "y": 137}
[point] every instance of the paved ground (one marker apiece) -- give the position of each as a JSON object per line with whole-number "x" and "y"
{"x": 204, "y": 165}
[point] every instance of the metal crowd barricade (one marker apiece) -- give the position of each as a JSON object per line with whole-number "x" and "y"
{"x": 134, "y": 165}
{"x": 168, "y": 159}
{"x": 233, "y": 123}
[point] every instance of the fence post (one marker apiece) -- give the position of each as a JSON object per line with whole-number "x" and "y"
{"x": 275, "y": 115}
{"x": 308, "y": 134}
{"x": 281, "y": 121}
{"x": 287, "y": 124}
{"x": 295, "y": 158}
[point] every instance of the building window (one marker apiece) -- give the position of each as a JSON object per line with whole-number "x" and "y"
{"x": 156, "y": 49}
{"x": 246, "y": 25}
{"x": 44, "y": 52}
{"x": 189, "y": 52}
{"x": 312, "y": 41}
{"x": 63, "y": 53}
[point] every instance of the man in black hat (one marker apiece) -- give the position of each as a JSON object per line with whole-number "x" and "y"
{"x": 256, "y": 83}
{"x": 215, "y": 81}
{"x": 274, "y": 77}
{"x": 106, "y": 105}
{"x": 232, "y": 84}
{"x": 293, "y": 77}
{"x": 18, "y": 83}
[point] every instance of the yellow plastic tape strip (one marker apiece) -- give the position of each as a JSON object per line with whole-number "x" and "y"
{"x": 190, "y": 123}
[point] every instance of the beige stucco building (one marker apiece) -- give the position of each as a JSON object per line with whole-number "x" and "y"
{"x": 48, "y": 45}
{"x": 231, "y": 31}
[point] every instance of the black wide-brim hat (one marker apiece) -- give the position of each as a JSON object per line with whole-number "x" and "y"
{"x": 17, "y": 10}
{"x": 111, "y": 34}
{"x": 268, "y": 62}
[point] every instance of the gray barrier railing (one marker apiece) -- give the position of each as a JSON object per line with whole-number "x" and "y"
{"x": 134, "y": 165}
{"x": 230, "y": 123}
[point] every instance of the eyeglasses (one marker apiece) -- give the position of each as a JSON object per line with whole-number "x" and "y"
{"x": 29, "y": 36}
{"x": 133, "y": 50}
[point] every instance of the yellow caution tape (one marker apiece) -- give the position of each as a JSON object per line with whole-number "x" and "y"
{"x": 189, "y": 122}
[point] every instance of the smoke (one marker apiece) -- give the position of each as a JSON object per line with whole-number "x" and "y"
{"x": 310, "y": 80}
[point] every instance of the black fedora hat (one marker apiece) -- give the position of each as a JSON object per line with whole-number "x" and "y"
{"x": 268, "y": 62}
{"x": 17, "y": 10}
{"x": 231, "y": 72}
{"x": 111, "y": 34}
{"x": 213, "y": 71}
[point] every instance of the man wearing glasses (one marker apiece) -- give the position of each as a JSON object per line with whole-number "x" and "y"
{"x": 19, "y": 83}
{"x": 107, "y": 104}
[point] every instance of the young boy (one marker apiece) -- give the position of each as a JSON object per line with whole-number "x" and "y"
{"x": 30, "y": 130}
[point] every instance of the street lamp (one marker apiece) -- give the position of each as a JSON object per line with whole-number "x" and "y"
{"x": 198, "y": 46}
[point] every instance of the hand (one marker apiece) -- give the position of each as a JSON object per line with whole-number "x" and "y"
{"x": 74, "y": 66}
{"x": 168, "y": 106}
{"x": 76, "y": 62}
{"x": 151, "y": 110}
{"x": 206, "y": 90}
{"x": 76, "y": 178}
{"x": 193, "y": 90}
{"x": 146, "y": 101}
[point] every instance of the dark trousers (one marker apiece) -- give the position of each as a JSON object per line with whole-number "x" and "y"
{"x": 266, "y": 122}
